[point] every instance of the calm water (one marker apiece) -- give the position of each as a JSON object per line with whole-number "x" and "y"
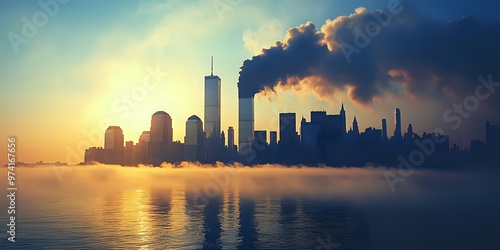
{"x": 322, "y": 209}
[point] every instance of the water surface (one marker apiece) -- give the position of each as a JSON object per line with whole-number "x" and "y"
{"x": 107, "y": 207}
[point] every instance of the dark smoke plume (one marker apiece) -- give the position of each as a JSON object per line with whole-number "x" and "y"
{"x": 371, "y": 53}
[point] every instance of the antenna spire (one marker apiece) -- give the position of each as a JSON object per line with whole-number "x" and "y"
{"x": 212, "y": 67}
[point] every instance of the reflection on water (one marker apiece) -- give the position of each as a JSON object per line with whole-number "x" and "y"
{"x": 170, "y": 219}
{"x": 435, "y": 210}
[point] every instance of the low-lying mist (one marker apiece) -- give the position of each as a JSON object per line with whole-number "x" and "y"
{"x": 210, "y": 179}
{"x": 430, "y": 208}
{"x": 355, "y": 184}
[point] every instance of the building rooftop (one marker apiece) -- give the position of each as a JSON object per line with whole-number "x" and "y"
{"x": 161, "y": 113}
{"x": 114, "y": 128}
{"x": 194, "y": 117}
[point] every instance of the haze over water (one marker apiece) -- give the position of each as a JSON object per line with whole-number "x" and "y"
{"x": 191, "y": 206}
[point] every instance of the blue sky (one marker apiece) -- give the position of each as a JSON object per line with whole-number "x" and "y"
{"x": 70, "y": 78}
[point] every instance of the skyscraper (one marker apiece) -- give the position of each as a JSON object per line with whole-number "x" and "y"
{"x": 222, "y": 139}
{"x": 343, "y": 120}
{"x": 309, "y": 132}
{"x": 161, "y": 127}
{"x": 160, "y": 138}
{"x": 144, "y": 136}
{"x": 355, "y": 128}
{"x": 289, "y": 139}
{"x": 214, "y": 144}
{"x": 230, "y": 138}
{"x": 273, "y": 138}
{"x": 384, "y": 130}
{"x": 231, "y": 149}
{"x": 318, "y": 116}
{"x": 288, "y": 128}
{"x": 260, "y": 137}
{"x": 194, "y": 141}
{"x": 142, "y": 147}
{"x": 212, "y": 105}
{"x": 194, "y": 129}
{"x": 397, "y": 121}
{"x": 245, "y": 125}
{"x": 113, "y": 140}
{"x": 129, "y": 153}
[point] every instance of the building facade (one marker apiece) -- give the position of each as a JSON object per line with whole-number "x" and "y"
{"x": 160, "y": 139}
{"x": 194, "y": 141}
{"x": 114, "y": 141}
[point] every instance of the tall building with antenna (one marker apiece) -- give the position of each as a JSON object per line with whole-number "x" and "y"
{"x": 213, "y": 115}
{"x": 212, "y": 104}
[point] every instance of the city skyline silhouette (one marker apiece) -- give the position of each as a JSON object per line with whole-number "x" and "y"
{"x": 238, "y": 124}
{"x": 287, "y": 65}
{"x": 322, "y": 140}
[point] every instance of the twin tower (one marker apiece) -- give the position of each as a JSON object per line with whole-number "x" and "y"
{"x": 213, "y": 117}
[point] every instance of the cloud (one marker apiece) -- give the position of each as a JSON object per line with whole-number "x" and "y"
{"x": 372, "y": 54}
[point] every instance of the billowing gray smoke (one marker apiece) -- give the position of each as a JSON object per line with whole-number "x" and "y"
{"x": 371, "y": 53}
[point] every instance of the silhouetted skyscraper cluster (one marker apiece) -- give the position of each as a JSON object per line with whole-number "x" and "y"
{"x": 322, "y": 140}
{"x": 203, "y": 144}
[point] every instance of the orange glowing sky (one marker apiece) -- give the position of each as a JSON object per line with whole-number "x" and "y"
{"x": 86, "y": 69}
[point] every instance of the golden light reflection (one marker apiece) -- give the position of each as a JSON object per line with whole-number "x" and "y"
{"x": 177, "y": 215}
{"x": 230, "y": 215}
{"x": 136, "y": 207}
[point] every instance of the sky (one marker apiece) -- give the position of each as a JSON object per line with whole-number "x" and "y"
{"x": 69, "y": 69}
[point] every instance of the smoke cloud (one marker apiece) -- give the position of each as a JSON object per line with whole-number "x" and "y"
{"x": 372, "y": 53}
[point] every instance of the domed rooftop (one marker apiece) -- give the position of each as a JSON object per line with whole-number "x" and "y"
{"x": 161, "y": 113}
{"x": 114, "y": 128}
{"x": 194, "y": 117}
